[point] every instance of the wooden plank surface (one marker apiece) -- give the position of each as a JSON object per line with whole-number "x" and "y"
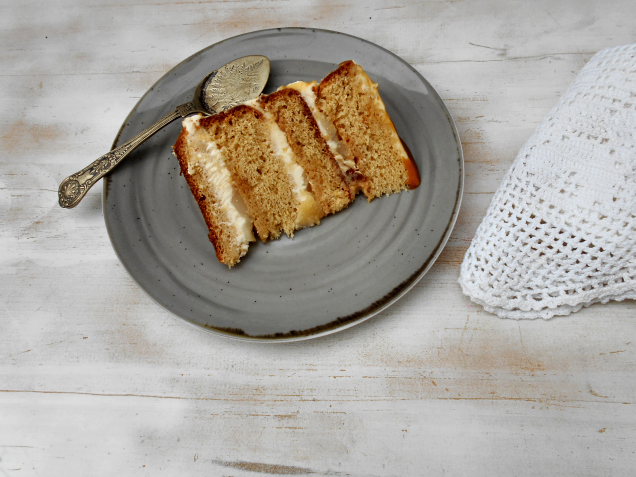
{"x": 96, "y": 379}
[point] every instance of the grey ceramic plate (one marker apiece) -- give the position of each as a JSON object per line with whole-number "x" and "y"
{"x": 325, "y": 279}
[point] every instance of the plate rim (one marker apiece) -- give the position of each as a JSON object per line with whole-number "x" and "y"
{"x": 337, "y": 325}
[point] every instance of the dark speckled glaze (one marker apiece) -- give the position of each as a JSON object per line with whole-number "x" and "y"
{"x": 327, "y": 278}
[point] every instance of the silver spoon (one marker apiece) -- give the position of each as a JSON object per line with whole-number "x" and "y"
{"x": 232, "y": 84}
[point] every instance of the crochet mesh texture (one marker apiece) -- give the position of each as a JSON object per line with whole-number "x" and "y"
{"x": 560, "y": 232}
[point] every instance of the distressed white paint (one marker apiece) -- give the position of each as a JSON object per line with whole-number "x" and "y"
{"x": 95, "y": 379}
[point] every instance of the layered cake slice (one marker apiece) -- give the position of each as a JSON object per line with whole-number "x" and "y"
{"x": 283, "y": 161}
{"x": 351, "y": 101}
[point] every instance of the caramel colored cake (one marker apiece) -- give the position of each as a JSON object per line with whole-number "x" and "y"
{"x": 283, "y": 161}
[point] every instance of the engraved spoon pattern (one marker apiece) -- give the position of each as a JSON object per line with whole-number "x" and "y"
{"x": 232, "y": 84}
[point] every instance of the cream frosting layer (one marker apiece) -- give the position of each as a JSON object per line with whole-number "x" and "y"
{"x": 211, "y": 165}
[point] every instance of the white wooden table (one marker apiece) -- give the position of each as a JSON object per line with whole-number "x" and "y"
{"x": 96, "y": 379}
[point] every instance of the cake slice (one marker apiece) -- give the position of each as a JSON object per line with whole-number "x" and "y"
{"x": 283, "y": 161}
{"x": 351, "y": 101}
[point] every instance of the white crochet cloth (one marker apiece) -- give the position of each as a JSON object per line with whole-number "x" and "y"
{"x": 560, "y": 232}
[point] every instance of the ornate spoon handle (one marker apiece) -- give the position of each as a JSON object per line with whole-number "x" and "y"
{"x": 73, "y": 189}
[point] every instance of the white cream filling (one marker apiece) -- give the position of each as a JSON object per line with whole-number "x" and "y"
{"x": 191, "y": 123}
{"x": 328, "y": 131}
{"x": 212, "y": 166}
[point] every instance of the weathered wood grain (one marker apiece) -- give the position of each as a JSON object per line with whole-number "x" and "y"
{"x": 95, "y": 379}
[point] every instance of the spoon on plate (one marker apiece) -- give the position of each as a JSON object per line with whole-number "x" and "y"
{"x": 232, "y": 84}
